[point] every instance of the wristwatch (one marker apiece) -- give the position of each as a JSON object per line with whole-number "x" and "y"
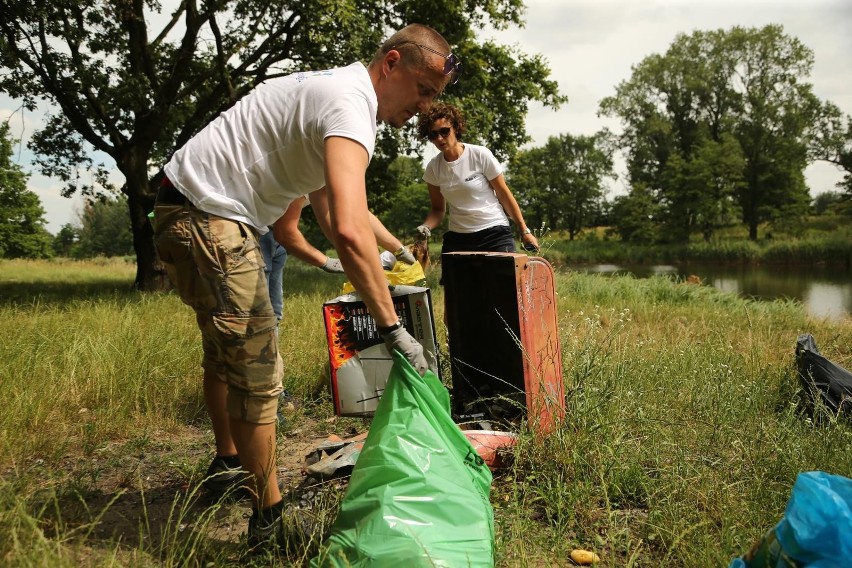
{"x": 390, "y": 328}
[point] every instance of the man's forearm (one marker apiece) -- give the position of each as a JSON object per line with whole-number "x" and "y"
{"x": 365, "y": 272}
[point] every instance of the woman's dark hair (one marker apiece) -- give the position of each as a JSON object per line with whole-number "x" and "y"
{"x": 438, "y": 111}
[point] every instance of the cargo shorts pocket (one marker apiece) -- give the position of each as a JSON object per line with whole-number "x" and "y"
{"x": 171, "y": 233}
{"x": 249, "y": 351}
{"x": 236, "y": 263}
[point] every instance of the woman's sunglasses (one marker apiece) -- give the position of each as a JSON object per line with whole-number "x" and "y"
{"x": 442, "y": 132}
{"x": 452, "y": 64}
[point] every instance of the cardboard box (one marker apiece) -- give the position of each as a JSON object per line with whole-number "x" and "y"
{"x": 360, "y": 362}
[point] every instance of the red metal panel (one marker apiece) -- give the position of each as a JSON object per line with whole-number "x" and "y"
{"x": 540, "y": 339}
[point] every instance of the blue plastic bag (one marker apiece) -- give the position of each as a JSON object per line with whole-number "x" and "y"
{"x": 816, "y": 530}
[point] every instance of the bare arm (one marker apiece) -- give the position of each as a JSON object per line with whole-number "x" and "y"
{"x": 286, "y": 231}
{"x": 319, "y": 203}
{"x": 384, "y": 237}
{"x": 439, "y": 206}
{"x": 510, "y": 205}
{"x": 351, "y": 231}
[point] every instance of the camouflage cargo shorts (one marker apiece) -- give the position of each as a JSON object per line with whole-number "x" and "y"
{"x": 217, "y": 267}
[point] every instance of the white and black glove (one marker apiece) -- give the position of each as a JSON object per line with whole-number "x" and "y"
{"x": 332, "y": 266}
{"x": 404, "y": 255}
{"x": 423, "y": 233}
{"x": 397, "y": 337}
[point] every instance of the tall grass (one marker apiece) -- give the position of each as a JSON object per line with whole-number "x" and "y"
{"x": 679, "y": 448}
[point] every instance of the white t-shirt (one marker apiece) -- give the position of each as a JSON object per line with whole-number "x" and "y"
{"x": 473, "y": 206}
{"x": 268, "y": 149}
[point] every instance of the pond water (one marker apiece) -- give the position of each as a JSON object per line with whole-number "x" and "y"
{"x": 825, "y": 291}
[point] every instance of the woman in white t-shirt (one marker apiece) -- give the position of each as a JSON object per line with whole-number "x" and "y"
{"x": 468, "y": 179}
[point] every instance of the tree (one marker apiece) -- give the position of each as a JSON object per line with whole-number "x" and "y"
{"x": 772, "y": 123}
{"x": 831, "y": 141}
{"x": 703, "y": 189}
{"x": 22, "y": 230}
{"x": 410, "y": 201}
{"x": 561, "y": 184}
{"x": 684, "y": 110}
{"x": 136, "y": 94}
{"x": 103, "y": 230}
{"x": 827, "y": 202}
{"x": 65, "y": 239}
{"x": 635, "y": 216}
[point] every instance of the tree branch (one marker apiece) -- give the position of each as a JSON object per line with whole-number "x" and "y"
{"x": 172, "y": 23}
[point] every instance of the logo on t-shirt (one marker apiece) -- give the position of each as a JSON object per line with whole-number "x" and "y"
{"x": 473, "y": 177}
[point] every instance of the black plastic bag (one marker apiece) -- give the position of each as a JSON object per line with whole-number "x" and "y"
{"x": 823, "y": 380}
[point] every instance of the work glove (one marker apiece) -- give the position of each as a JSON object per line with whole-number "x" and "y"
{"x": 387, "y": 259}
{"x": 332, "y": 266}
{"x": 423, "y": 232}
{"x": 410, "y": 348}
{"x": 404, "y": 255}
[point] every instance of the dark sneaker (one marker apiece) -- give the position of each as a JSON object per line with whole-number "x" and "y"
{"x": 225, "y": 476}
{"x": 266, "y": 526}
{"x": 281, "y": 526}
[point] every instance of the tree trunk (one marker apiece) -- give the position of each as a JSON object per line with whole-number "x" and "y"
{"x": 150, "y": 272}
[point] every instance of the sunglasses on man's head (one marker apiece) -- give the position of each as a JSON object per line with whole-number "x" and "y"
{"x": 452, "y": 64}
{"x": 442, "y": 132}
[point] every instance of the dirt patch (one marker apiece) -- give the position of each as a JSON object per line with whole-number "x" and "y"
{"x": 147, "y": 495}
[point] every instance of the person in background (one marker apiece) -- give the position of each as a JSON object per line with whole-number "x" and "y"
{"x": 275, "y": 254}
{"x": 306, "y": 133}
{"x": 274, "y": 258}
{"x": 286, "y": 231}
{"x": 467, "y": 179}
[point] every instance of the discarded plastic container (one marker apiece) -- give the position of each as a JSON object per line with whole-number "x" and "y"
{"x": 503, "y": 337}
{"x": 489, "y": 443}
{"x": 359, "y": 361}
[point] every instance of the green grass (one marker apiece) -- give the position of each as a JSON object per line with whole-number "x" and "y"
{"x": 679, "y": 448}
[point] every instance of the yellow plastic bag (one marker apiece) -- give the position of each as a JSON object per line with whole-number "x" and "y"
{"x": 400, "y": 275}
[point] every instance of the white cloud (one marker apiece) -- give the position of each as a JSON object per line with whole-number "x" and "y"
{"x": 591, "y": 46}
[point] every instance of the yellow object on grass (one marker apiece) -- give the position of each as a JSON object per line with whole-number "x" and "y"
{"x": 401, "y": 274}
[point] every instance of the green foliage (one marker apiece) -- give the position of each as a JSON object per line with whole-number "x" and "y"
{"x": 410, "y": 206}
{"x": 22, "y": 230}
{"x": 103, "y": 230}
{"x": 561, "y": 185}
{"x": 65, "y": 239}
{"x": 136, "y": 92}
{"x": 409, "y": 201}
{"x": 495, "y": 95}
{"x": 634, "y": 216}
{"x": 831, "y": 141}
{"x": 827, "y": 202}
{"x": 701, "y": 191}
{"x": 719, "y": 125}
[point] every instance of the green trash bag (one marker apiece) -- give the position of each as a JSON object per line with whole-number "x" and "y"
{"x": 419, "y": 493}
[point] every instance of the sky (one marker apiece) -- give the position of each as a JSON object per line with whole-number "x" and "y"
{"x": 590, "y": 46}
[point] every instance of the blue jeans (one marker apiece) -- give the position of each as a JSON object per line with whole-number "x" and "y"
{"x": 274, "y": 256}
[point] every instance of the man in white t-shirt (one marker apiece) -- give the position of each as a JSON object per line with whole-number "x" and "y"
{"x": 307, "y": 133}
